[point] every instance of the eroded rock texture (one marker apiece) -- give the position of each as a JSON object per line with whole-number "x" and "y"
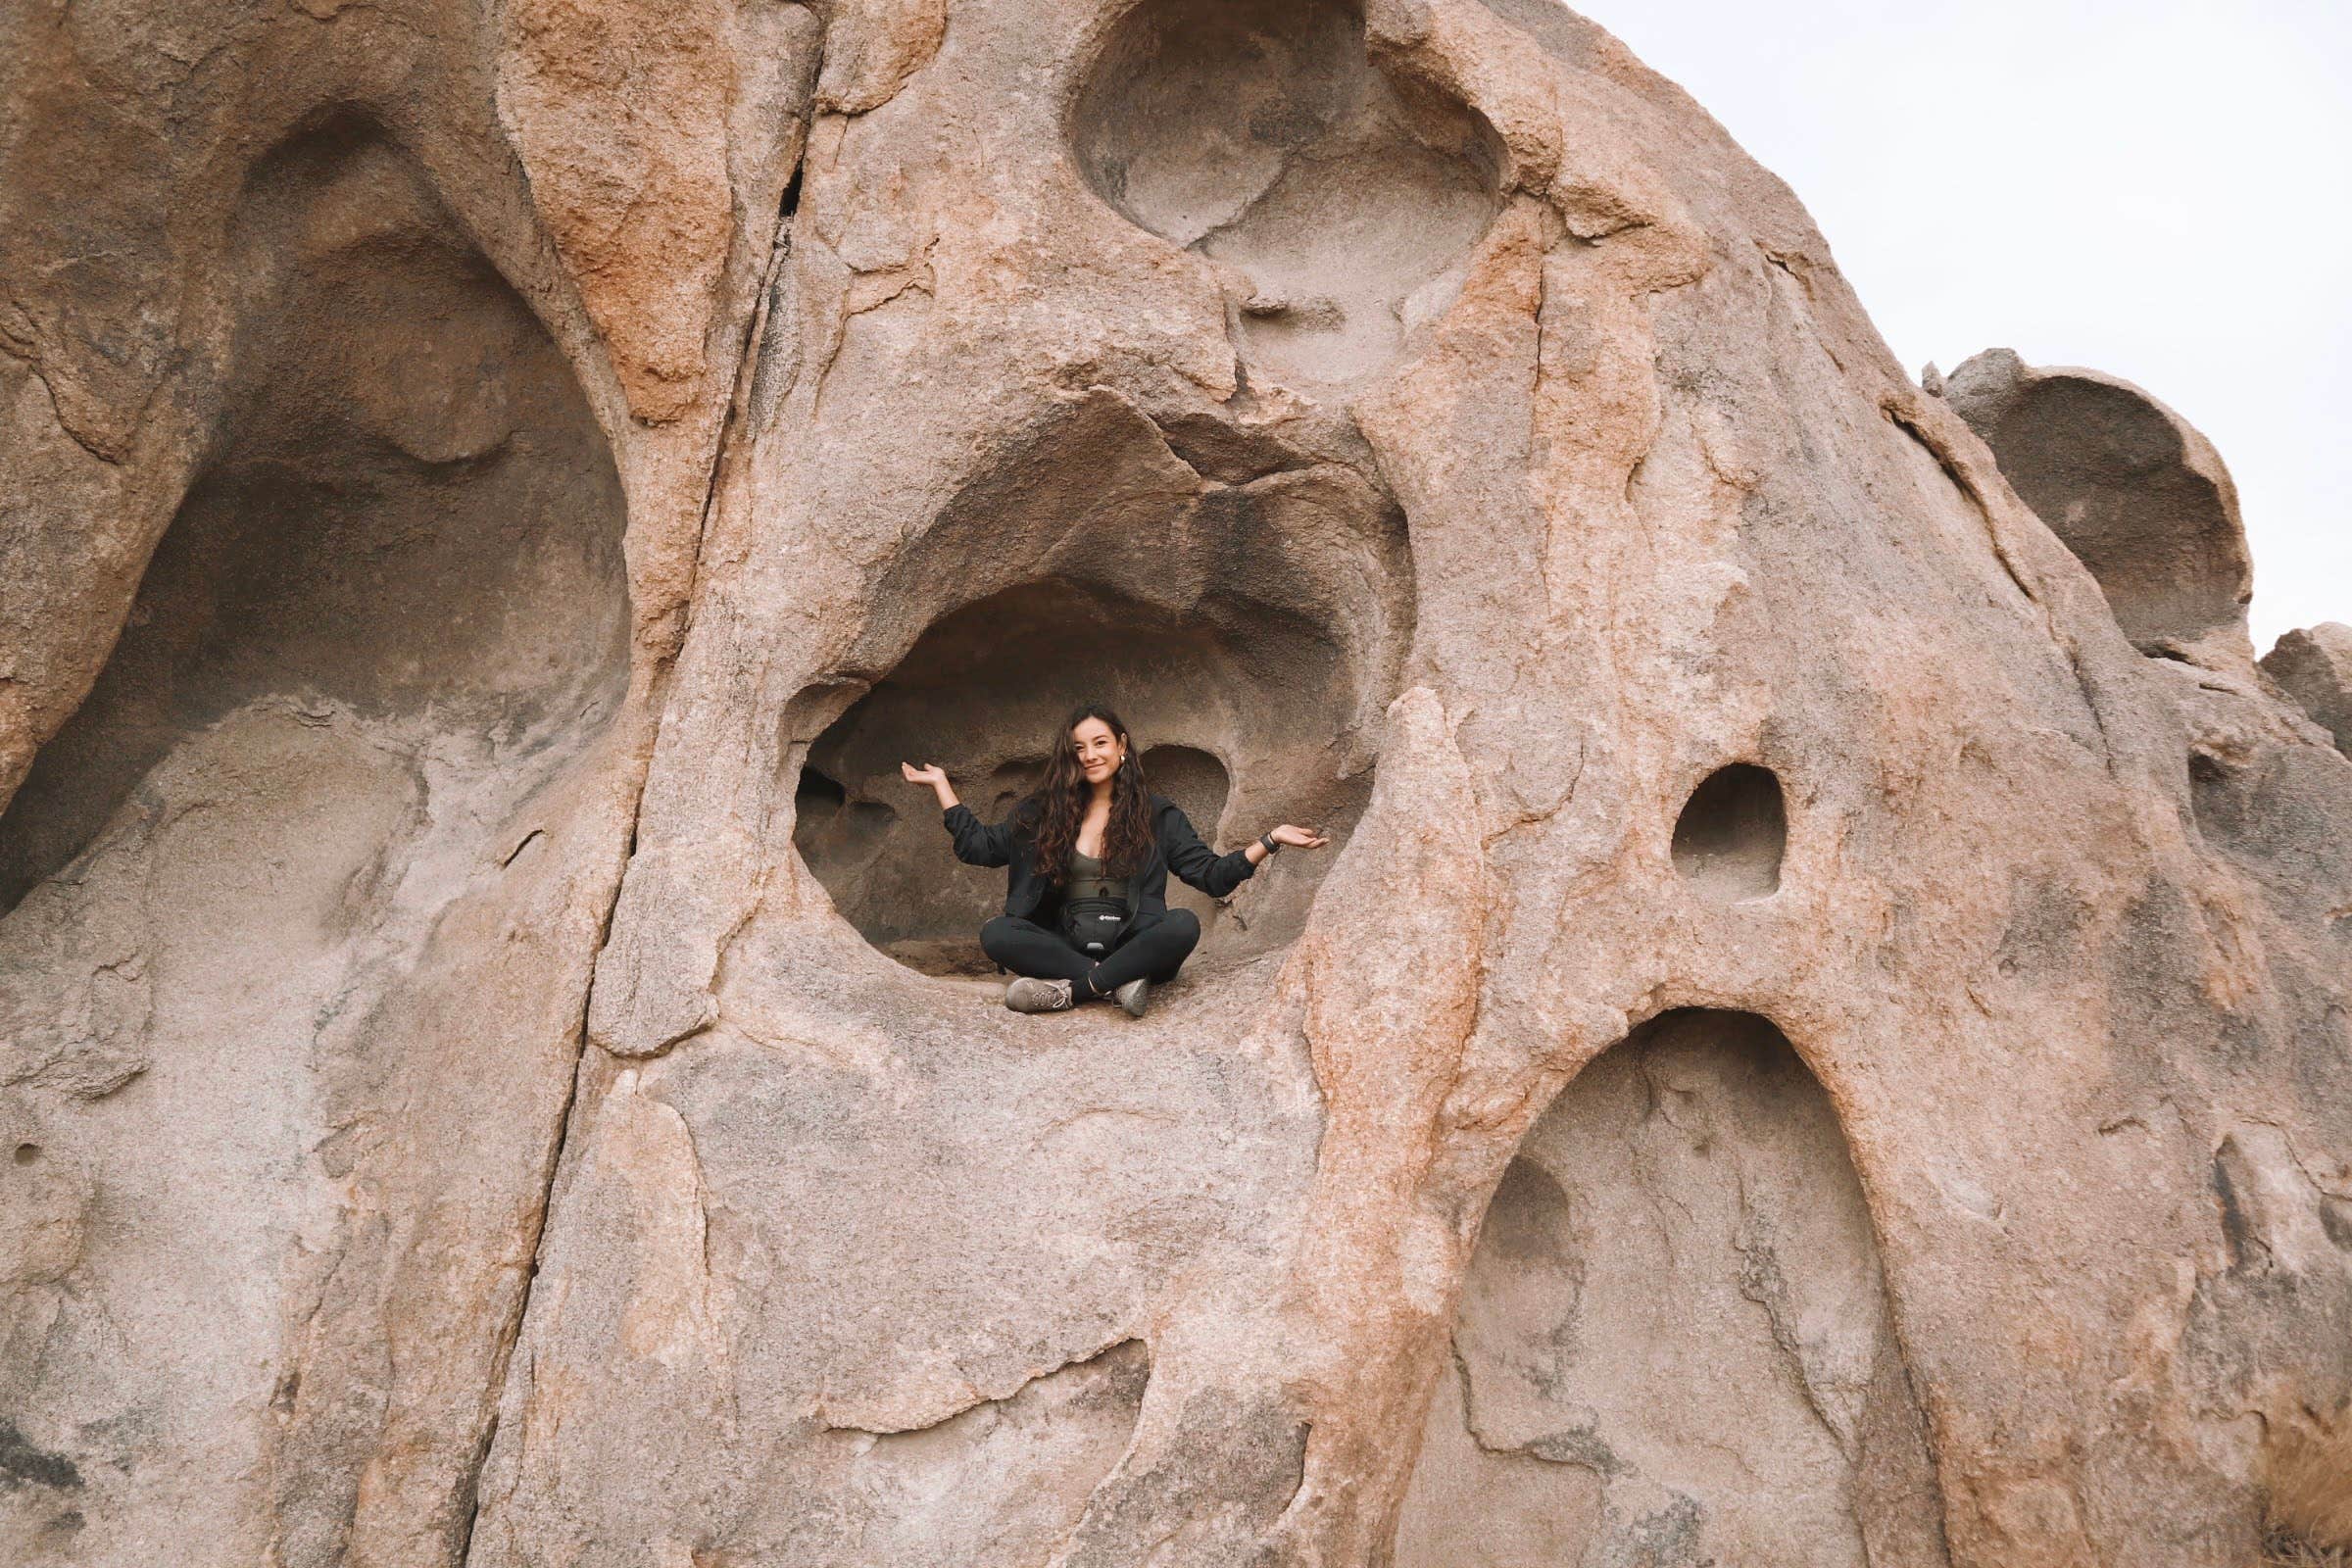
{"x": 2314, "y": 666}
{"x": 2127, "y": 484}
{"x": 1677, "y": 1310}
{"x": 1822, "y": 1036}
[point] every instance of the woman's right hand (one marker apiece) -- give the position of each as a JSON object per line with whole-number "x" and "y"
{"x": 933, "y": 774}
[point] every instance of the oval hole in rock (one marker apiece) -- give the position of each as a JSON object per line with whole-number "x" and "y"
{"x": 1262, "y": 136}
{"x": 1731, "y": 833}
{"x": 981, "y": 694}
{"x": 1673, "y": 1344}
{"x": 817, "y": 797}
{"x": 2217, "y": 798}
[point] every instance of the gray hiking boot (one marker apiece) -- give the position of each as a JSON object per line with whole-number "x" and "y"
{"x": 1037, "y": 996}
{"x": 1134, "y": 995}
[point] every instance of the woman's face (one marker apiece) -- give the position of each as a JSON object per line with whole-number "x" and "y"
{"x": 1099, "y": 752}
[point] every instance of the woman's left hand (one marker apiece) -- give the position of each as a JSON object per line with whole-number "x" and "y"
{"x": 1299, "y": 836}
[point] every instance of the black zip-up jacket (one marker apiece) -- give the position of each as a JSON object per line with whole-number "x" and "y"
{"x": 1175, "y": 847}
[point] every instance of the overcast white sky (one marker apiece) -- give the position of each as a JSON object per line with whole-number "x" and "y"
{"x": 2161, "y": 189}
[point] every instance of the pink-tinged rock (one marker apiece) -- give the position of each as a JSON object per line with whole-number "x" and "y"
{"x": 2131, "y": 486}
{"x": 1805, "y": 1044}
{"x": 2315, "y": 668}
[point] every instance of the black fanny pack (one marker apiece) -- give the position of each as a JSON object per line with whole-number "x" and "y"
{"x": 1093, "y": 925}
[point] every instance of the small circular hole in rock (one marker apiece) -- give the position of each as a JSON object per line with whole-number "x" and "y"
{"x": 27, "y": 1153}
{"x": 1732, "y": 834}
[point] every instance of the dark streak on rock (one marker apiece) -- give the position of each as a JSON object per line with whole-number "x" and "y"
{"x": 22, "y": 1464}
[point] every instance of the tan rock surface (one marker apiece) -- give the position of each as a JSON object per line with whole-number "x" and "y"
{"x": 2315, "y": 668}
{"x": 2129, "y": 486}
{"x": 1808, "y": 1046}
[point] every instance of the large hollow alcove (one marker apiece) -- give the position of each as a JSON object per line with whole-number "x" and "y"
{"x": 411, "y": 514}
{"x": 390, "y": 610}
{"x": 1731, "y": 835}
{"x": 1263, "y": 137}
{"x": 1224, "y": 718}
{"x": 1674, "y": 1343}
{"x": 1250, "y": 632}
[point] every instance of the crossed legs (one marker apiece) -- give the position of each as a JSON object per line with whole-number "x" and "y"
{"x": 1153, "y": 947}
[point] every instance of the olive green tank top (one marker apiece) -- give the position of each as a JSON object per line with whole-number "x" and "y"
{"x": 1088, "y": 880}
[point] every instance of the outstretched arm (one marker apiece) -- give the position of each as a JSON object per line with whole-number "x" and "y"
{"x": 1213, "y": 873}
{"x": 933, "y": 774}
{"x": 1304, "y": 838}
{"x": 976, "y": 842}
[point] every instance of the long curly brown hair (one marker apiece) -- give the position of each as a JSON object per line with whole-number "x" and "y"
{"x": 1059, "y": 804}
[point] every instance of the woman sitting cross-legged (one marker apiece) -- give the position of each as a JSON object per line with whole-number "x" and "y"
{"x": 1090, "y": 850}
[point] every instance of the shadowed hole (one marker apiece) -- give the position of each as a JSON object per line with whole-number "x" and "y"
{"x": 1732, "y": 834}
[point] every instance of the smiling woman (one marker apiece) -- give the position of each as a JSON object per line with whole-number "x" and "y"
{"x": 1089, "y": 851}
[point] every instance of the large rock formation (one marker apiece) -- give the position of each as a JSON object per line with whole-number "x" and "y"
{"x": 1809, "y": 1046}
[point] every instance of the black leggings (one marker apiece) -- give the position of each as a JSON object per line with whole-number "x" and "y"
{"x": 1152, "y": 946}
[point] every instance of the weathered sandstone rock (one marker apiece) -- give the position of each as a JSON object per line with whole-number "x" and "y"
{"x": 2314, "y": 666}
{"x": 2129, "y": 485}
{"x": 1808, "y": 1045}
